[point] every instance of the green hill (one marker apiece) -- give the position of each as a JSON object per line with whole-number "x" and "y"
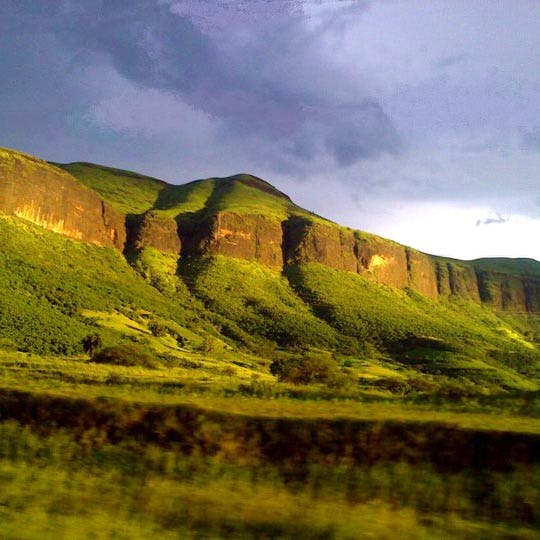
{"x": 235, "y": 260}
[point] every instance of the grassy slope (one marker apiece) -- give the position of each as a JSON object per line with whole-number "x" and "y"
{"x": 46, "y": 280}
{"x": 519, "y": 267}
{"x": 387, "y": 318}
{"x": 264, "y": 304}
{"x": 130, "y": 192}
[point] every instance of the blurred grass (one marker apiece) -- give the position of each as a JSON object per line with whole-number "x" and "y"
{"x": 60, "y": 487}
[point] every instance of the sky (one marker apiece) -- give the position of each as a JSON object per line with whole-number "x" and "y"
{"x": 418, "y": 121}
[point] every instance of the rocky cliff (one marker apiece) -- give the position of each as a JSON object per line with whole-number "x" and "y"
{"x": 155, "y": 231}
{"x": 248, "y": 236}
{"x": 245, "y": 217}
{"x": 516, "y": 293}
{"x": 43, "y": 194}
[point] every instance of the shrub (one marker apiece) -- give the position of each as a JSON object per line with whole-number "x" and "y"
{"x": 125, "y": 355}
{"x": 158, "y": 329}
{"x": 311, "y": 367}
{"x": 92, "y": 343}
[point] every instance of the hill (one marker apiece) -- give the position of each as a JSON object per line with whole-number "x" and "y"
{"x": 263, "y": 272}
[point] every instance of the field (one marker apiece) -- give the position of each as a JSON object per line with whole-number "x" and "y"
{"x": 200, "y": 451}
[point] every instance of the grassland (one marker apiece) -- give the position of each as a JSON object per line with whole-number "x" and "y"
{"x": 194, "y": 450}
{"x": 133, "y": 193}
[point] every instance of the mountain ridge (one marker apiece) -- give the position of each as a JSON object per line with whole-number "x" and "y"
{"x": 245, "y": 217}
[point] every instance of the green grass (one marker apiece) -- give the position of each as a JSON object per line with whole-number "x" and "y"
{"x": 48, "y": 280}
{"x": 258, "y": 299}
{"x": 128, "y": 192}
{"x": 520, "y": 267}
{"x": 190, "y": 499}
{"x": 387, "y": 318}
{"x": 133, "y": 193}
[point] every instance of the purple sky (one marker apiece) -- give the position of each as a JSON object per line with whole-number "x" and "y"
{"x": 419, "y": 121}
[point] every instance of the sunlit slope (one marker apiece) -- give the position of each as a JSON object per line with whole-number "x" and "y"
{"x": 126, "y": 191}
{"x": 48, "y": 281}
{"x": 134, "y": 193}
{"x": 457, "y": 338}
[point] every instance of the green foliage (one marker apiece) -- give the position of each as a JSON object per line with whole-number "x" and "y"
{"x": 159, "y": 269}
{"x": 92, "y": 343}
{"x": 416, "y": 331}
{"x": 308, "y": 368}
{"x": 47, "y": 280}
{"x": 128, "y": 354}
{"x": 157, "y": 328}
{"x": 257, "y": 299}
{"x": 128, "y": 192}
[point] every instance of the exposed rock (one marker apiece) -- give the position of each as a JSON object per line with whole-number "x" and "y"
{"x": 51, "y": 198}
{"x": 458, "y": 279}
{"x": 422, "y": 274}
{"x": 246, "y": 236}
{"x": 307, "y": 241}
{"x": 532, "y": 294}
{"x": 509, "y": 292}
{"x": 382, "y": 260}
{"x": 152, "y": 230}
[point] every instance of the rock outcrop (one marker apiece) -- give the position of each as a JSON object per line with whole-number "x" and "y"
{"x": 382, "y": 261}
{"x": 306, "y": 241}
{"x": 51, "y": 198}
{"x": 509, "y": 292}
{"x": 155, "y": 231}
{"x": 456, "y": 278}
{"x": 422, "y": 273}
{"x": 247, "y": 236}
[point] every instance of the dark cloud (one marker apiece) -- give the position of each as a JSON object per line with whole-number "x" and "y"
{"x": 248, "y": 85}
{"x": 361, "y": 132}
{"x": 490, "y": 221}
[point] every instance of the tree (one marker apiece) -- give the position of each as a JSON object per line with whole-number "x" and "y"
{"x": 311, "y": 367}
{"x": 92, "y": 343}
{"x": 158, "y": 329}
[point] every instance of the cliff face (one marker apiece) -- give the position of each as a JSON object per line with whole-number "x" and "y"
{"x": 306, "y": 241}
{"x": 422, "y": 273}
{"x": 252, "y": 237}
{"x": 509, "y": 292}
{"x": 382, "y": 261}
{"x": 458, "y": 279}
{"x": 43, "y": 194}
{"x": 50, "y": 197}
{"x": 152, "y": 230}
{"x": 375, "y": 258}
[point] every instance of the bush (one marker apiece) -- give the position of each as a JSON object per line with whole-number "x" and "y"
{"x": 92, "y": 343}
{"x": 125, "y": 355}
{"x": 311, "y": 367}
{"x": 158, "y": 329}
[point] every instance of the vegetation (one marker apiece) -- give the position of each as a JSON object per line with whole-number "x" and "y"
{"x": 264, "y": 305}
{"x": 125, "y": 355}
{"x": 128, "y": 192}
{"x": 212, "y": 397}
{"x": 308, "y": 368}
